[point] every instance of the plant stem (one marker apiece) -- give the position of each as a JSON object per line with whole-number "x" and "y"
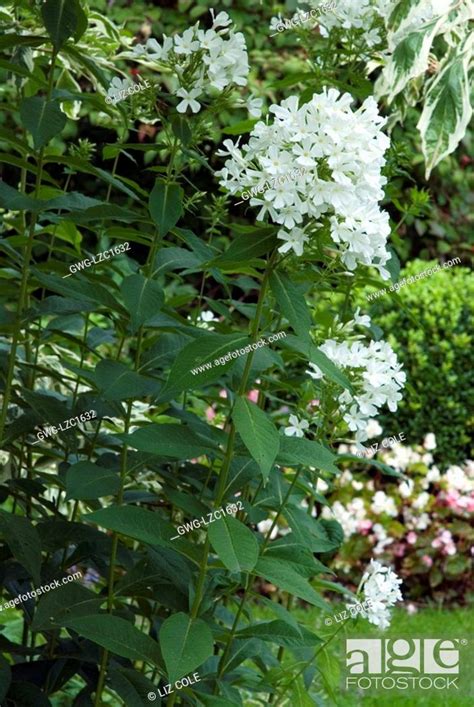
{"x": 224, "y": 473}
{"x": 23, "y": 295}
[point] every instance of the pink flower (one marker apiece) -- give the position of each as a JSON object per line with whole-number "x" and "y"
{"x": 312, "y": 404}
{"x": 427, "y": 560}
{"x": 252, "y": 395}
{"x": 223, "y": 393}
{"x": 450, "y": 549}
{"x": 364, "y": 526}
{"x": 411, "y": 609}
{"x": 411, "y": 537}
{"x": 436, "y": 543}
{"x": 210, "y": 414}
{"x": 399, "y": 550}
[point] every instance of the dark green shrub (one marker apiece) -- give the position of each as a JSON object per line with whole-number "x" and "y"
{"x": 431, "y": 331}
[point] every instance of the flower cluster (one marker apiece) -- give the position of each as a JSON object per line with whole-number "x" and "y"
{"x": 363, "y": 15}
{"x": 200, "y": 60}
{"x": 381, "y": 587}
{"x": 375, "y": 374}
{"x": 342, "y": 152}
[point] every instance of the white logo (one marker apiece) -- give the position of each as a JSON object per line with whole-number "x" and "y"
{"x": 403, "y": 663}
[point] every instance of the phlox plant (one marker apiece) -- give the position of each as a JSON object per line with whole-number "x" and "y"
{"x": 172, "y": 442}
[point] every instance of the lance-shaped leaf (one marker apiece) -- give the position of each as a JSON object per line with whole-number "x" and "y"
{"x": 201, "y": 362}
{"x": 43, "y": 119}
{"x": 235, "y": 544}
{"x": 185, "y": 644}
{"x": 175, "y": 441}
{"x": 285, "y": 577}
{"x": 296, "y": 450}
{"x": 258, "y": 433}
{"x": 86, "y": 481}
{"x": 117, "y": 635}
{"x": 61, "y": 19}
{"x": 166, "y": 205}
{"x": 143, "y": 298}
{"x": 292, "y": 303}
{"x": 447, "y": 109}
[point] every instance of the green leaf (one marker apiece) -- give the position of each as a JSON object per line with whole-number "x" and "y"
{"x": 309, "y": 532}
{"x": 175, "y": 441}
{"x": 409, "y": 58}
{"x": 134, "y": 522}
{"x": 291, "y": 303}
{"x": 86, "y": 481}
{"x": 69, "y": 601}
{"x": 116, "y": 635}
{"x": 298, "y": 450}
{"x": 447, "y": 108}
{"x": 79, "y": 287}
{"x": 244, "y": 126}
{"x": 246, "y": 247}
{"x": 143, "y": 298}
{"x": 285, "y": 577}
{"x": 175, "y": 259}
{"x": 235, "y": 544}
{"x": 393, "y": 265}
{"x": 185, "y": 644}
{"x": 366, "y": 461}
{"x": 61, "y": 19}
{"x": 258, "y": 433}
{"x": 203, "y": 352}
{"x": 132, "y": 686}
{"x": 281, "y": 633}
{"x": 14, "y": 200}
{"x": 293, "y": 552}
{"x": 24, "y": 542}
{"x": 118, "y": 382}
{"x": 43, "y": 119}
{"x": 166, "y": 205}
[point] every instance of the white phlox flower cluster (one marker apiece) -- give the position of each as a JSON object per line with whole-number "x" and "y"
{"x": 349, "y": 517}
{"x": 364, "y": 15}
{"x": 382, "y": 586}
{"x": 376, "y": 376}
{"x": 342, "y": 153}
{"x": 200, "y": 59}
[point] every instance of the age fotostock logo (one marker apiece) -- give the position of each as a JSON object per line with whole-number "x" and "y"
{"x": 403, "y": 663}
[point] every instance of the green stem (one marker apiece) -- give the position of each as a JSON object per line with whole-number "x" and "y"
{"x": 224, "y": 473}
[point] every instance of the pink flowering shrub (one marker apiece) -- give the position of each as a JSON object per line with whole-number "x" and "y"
{"x": 419, "y": 523}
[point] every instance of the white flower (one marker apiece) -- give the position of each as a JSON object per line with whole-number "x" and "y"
{"x": 186, "y": 44}
{"x": 342, "y": 152}
{"x": 4, "y": 457}
{"x": 116, "y": 86}
{"x": 361, "y": 319}
{"x": 381, "y": 587}
{"x": 265, "y": 525}
{"x": 458, "y": 480}
{"x": 433, "y": 475}
{"x": 376, "y": 376}
{"x": 210, "y": 60}
{"x": 373, "y": 429}
{"x": 381, "y": 503}
{"x": 429, "y": 442}
{"x": 297, "y": 427}
{"x": 314, "y": 371}
{"x": 189, "y": 100}
{"x": 421, "y": 501}
{"x": 254, "y": 106}
{"x": 294, "y": 240}
{"x": 405, "y": 489}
